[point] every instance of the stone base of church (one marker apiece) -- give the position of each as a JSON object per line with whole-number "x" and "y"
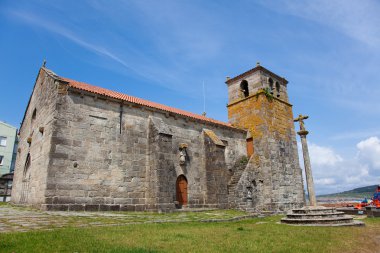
{"x": 169, "y": 207}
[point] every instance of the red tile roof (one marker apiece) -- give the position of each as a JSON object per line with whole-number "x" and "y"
{"x": 139, "y": 101}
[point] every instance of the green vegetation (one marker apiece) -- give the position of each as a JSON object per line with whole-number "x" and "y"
{"x": 253, "y": 235}
{"x": 268, "y": 94}
{"x": 244, "y": 160}
{"x": 362, "y": 192}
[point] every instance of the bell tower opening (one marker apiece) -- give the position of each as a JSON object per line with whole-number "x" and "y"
{"x": 271, "y": 85}
{"x": 244, "y": 88}
{"x": 278, "y": 89}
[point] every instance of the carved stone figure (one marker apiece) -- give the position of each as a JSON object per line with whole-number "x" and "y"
{"x": 182, "y": 156}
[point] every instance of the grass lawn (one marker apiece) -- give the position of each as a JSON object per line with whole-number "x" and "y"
{"x": 253, "y": 235}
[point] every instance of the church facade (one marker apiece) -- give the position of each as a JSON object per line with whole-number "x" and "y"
{"x": 82, "y": 147}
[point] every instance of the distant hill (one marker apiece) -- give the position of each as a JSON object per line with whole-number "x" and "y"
{"x": 362, "y": 192}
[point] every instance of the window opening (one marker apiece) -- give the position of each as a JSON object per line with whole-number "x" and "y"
{"x": 271, "y": 85}
{"x": 278, "y": 89}
{"x": 27, "y": 164}
{"x": 244, "y": 88}
{"x": 34, "y": 115}
{"x": 3, "y": 141}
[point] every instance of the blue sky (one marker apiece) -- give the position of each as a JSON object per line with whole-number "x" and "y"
{"x": 329, "y": 51}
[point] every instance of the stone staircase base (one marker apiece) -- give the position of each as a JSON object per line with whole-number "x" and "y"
{"x": 319, "y": 216}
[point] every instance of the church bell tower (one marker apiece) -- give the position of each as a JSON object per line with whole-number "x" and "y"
{"x": 258, "y": 102}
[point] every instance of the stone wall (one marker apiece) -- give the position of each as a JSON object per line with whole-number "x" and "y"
{"x": 29, "y": 182}
{"x": 273, "y": 174}
{"x": 97, "y": 153}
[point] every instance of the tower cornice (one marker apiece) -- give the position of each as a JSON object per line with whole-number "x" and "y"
{"x": 256, "y": 69}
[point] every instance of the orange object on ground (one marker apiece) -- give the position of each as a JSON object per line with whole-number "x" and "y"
{"x": 375, "y": 201}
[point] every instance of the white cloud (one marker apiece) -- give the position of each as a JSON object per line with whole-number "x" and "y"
{"x": 325, "y": 181}
{"x": 369, "y": 151}
{"x": 323, "y": 155}
{"x": 333, "y": 173}
{"x": 358, "y": 175}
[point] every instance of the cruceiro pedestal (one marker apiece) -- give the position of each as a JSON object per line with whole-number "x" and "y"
{"x": 314, "y": 215}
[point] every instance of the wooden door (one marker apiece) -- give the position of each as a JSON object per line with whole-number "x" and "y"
{"x": 181, "y": 190}
{"x": 249, "y": 147}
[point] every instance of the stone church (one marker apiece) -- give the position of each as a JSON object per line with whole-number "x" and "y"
{"x": 83, "y": 147}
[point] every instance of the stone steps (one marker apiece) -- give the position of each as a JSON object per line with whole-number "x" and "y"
{"x": 234, "y": 180}
{"x": 353, "y": 223}
{"x": 232, "y": 185}
{"x": 317, "y": 220}
{"x": 319, "y": 216}
{"x": 312, "y": 210}
{"x": 315, "y": 215}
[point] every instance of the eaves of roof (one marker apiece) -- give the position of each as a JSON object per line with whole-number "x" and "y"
{"x": 135, "y": 100}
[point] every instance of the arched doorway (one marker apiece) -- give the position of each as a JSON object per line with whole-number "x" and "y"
{"x": 181, "y": 189}
{"x": 25, "y": 180}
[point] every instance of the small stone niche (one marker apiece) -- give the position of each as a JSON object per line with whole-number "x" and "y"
{"x": 182, "y": 153}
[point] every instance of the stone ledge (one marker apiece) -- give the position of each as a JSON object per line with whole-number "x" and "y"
{"x": 256, "y": 95}
{"x": 354, "y": 223}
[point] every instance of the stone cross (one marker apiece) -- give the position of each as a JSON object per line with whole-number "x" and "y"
{"x": 300, "y": 119}
{"x": 306, "y": 159}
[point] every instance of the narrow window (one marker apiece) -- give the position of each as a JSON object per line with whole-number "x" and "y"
{"x": 34, "y": 115}
{"x": 278, "y": 89}
{"x": 249, "y": 147}
{"x": 244, "y": 88}
{"x": 121, "y": 118}
{"x": 27, "y": 164}
{"x": 3, "y": 141}
{"x": 271, "y": 85}
{"x": 1, "y": 159}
